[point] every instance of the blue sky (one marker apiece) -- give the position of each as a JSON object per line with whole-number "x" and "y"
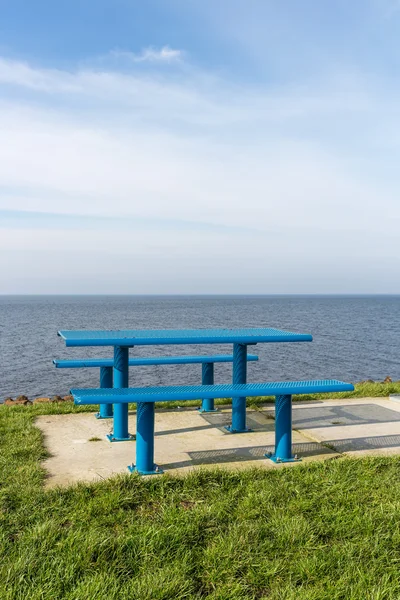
{"x": 200, "y": 147}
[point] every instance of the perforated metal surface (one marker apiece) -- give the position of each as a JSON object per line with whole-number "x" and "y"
{"x": 167, "y": 360}
{"x": 195, "y": 392}
{"x": 179, "y": 336}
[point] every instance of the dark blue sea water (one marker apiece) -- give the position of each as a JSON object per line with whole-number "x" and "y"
{"x": 355, "y": 338}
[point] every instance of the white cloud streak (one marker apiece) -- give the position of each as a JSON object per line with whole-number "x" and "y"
{"x": 164, "y": 54}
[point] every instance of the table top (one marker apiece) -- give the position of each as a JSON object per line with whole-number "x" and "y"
{"x": 152, "y": 337}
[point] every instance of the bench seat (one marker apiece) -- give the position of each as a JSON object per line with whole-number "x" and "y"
{"x": 137, "y": 362}
{"x": 194, "y": 392}
{"x": 146, "y": 397}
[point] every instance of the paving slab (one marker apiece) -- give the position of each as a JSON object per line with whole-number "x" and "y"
{"x": 365, "y": 426}
{"x": 184, "y": 440}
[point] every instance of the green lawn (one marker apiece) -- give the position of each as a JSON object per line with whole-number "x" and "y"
{"x": 329, "y": 530}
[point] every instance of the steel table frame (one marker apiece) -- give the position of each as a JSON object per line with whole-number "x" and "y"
{"x": 106, "y": 372}
{"x": 123, "y": 340}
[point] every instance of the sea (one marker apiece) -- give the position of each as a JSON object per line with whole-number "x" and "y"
{"x": 355, "y": 337}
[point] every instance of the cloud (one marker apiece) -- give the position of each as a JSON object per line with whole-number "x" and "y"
{"x": 63, "y": 165}
{"x": 150, "y": 54}
{"x": 270, "y": 169}
{"x": 193, "y": 95}
{"x": 18, "y": 73}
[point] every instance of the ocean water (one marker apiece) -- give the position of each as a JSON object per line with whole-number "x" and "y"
{"x": 355, "y": 337}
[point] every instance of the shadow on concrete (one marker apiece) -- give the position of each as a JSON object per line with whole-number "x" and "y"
{"x": 365, "y": 443}
{"x": 304, "y": 402}
{"x": 184, "y": 430}
{"x": 331, "y": 416}
{"x": 255, "y": 421}
{"x": 207, "y": 457}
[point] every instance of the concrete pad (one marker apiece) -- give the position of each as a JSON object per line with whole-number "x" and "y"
{"x": 366, "y": 426}
{"x": 184, "y": 440}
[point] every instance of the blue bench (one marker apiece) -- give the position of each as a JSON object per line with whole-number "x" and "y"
{"x": 146, "y": 397}
{"x": 106, "y": 372}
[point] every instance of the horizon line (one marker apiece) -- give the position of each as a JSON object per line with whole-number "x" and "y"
{"x": 161, "y": 295}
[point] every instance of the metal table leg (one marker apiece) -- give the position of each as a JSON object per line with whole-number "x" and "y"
{"x": 121, "y": 380}
{"x": 106, "y": 381}
{"x": 207, "y": 378}
{"x": 283, "y": 430}
{"x": 145, "y": 441}
{"x": 239, "y": 376}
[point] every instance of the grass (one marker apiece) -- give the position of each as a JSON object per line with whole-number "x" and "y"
{"x": 318, "y": 531}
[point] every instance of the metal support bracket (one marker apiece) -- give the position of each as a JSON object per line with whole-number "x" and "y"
{"x": 156, "y": 471}
{"x": 277, "y": 460}
{"x": 112, "y": 438}
{"x": 230, "y": 430}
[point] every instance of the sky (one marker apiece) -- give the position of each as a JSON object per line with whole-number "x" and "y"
{"x": 199, "y": 147}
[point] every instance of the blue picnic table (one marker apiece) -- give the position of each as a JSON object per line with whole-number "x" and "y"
{"x": 145, "y": 398}
{"x": 122, "y": 340}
